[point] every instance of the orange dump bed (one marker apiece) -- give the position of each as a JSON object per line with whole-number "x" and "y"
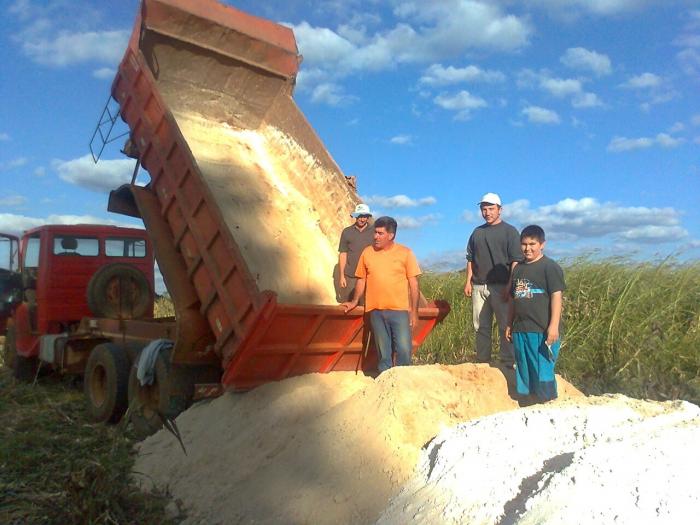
{"x": 206, "y": 91}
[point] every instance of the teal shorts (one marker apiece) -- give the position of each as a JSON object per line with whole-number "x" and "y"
{"x": 534, "y": 372}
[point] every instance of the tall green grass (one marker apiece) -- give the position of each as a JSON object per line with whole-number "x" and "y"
{"x": 632, "y": 328}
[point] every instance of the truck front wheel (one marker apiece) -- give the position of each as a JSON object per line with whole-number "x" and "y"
{"x": 106, "y": 382}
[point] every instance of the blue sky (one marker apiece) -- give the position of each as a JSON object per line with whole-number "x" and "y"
{"x": 583, "y": 114}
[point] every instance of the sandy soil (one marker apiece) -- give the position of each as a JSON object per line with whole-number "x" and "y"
{"x": 267, "y": 188}
{"x": 320, "y": 448}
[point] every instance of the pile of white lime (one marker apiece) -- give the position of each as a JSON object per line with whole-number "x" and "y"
{"x": 599, "y": 460}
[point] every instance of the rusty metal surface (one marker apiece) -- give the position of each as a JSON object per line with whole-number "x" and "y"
{"x": 194, "y": 339}
{"x": 226, "y": 31}
{"x": 297, "y": 339}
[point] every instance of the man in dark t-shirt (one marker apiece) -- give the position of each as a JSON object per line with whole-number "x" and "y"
{"x": 493, "y": 251}
{"x": 353, "y": 240}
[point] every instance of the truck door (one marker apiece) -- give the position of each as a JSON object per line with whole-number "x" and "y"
{"x": 10, "y": 277}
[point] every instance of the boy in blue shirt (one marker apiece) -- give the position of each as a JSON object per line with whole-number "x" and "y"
{"x": 535, "y": 317}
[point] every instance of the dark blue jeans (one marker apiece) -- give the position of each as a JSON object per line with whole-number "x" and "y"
{"x": 392, "y": 333}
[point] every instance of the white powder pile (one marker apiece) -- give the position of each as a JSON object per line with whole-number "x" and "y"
{"x": 593, "y": 461}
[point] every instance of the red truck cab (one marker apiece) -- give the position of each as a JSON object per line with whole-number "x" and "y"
{"x": 63, "y": 273}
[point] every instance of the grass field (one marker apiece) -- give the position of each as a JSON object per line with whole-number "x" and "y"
{"x": 58, "y": 468}
{"x": 629, "y": 328}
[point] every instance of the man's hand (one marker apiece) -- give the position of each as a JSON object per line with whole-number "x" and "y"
{"x": 343, "y": 281}
{"x": 552, "y": 335}
{"x": 508, "y": 334}
{"x": 468, "y": 289}
{"x": 413, "y": 318}
{"x": 349, "y": 306}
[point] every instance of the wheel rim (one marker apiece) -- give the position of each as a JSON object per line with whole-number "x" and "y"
{"x": 98, "y": 386}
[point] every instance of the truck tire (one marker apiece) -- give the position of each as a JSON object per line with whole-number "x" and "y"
{"x": 9, "y": 350}
{"x": 25, "y": 368}
{"x": 106, "y": 382}
{"x": 170, "y": 394}
{"x": 148, "y": 404}
{"x": 119, "y": 291}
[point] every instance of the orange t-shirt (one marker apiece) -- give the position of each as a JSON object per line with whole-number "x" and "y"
{"x": 387, "y": 273}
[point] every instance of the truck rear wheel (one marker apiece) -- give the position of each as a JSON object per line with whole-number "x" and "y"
{"x": 106, "y": 382}
{"x": 148, "y": 404}
{"x": 119, "y": 291}
{"x": 170, "y": 394}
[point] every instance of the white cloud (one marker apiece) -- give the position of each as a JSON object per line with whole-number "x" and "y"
{"x": 13, "y": 163}
{"x": 40, "y": 171}
{"x": 60, "y": 33}
{"x": 689, "y": 60}
{"x": 413, "y": 223}
{"x": 398, "y": 201}
{"x": 696, "y": 140}
{"x": 463, "y": 103}
{"x": 330, "y": 94}
{"x": 424, "y": 33}
{"x": 619, "y": 144}
{"x": 689, "y": 56}
{"x": 540, "y": 115}
{"x": 695, "y": 120}
{"x": 68, "y": 48}
{"x": 12, "y": 201}
{"x": 104, "y": 73}
{"x": 584, "y": 59}
{"x": 677, "y": 127}
{"x": 438, "y": 75}
{"x": 586, "y": 100}
{"x": 401, "y": 139}
{"x": 643, "y": 81}
{"x": 596, "y": 7}
{"x": 104, "y": 176}
{"x": 558, "y": 87}
{"x": 4, "y": 137}
{"x": 574, "y": 219}
{"x": 17, "y": 224}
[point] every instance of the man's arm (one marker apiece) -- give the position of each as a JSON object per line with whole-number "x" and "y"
{"x": 509, "y": 285}
{"x": 468, "y": 285}
{"x": 555, "y": 301}
{"x": 414, "y": 294}
{"x": 511, "y": 317}
{"x": 359, "y": 290}
{"x": 342, "y": 263}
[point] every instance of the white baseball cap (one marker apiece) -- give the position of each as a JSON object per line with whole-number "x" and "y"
{"x": 361, "y": 209}
{"x": 490, "y": 198}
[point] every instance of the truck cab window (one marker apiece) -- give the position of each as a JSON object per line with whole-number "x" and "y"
{"x": 125, "y": 247}
{"x": 71, "y": 245}
{"x": 8, "y": 254}
{"x": 31, "y": 256}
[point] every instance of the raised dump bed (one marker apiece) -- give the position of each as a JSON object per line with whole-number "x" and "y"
{"x": 245, "y": 205}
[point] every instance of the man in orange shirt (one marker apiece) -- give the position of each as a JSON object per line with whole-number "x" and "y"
{"x": 389, "y": 272}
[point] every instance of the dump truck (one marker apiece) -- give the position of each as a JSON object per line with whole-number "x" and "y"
{"x": 243, "y": 206}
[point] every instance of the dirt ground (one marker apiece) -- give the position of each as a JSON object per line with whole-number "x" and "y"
{"x": 319, "y": 448}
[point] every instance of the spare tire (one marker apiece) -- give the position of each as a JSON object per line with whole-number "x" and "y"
{"x": 119, "y": 291}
